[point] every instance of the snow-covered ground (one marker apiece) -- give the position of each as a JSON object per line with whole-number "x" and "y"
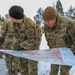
{"x": 43, "y": 68}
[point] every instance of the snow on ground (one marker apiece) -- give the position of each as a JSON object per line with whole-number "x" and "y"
{"x": 43, "y": 67}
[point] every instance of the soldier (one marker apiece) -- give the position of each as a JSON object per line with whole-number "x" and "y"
{"x": 0, "y": 35}
{"x": 19, "y": 33}
{"x": 59, "y": 32}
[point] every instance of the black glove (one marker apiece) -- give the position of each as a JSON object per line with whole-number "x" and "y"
{"x": 18, "y": 48}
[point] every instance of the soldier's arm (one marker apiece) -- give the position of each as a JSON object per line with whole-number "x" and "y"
{"x": 4, "y": 29}
{"x": 3, "y": 32}
{"x": 38, "y": 35}
{"x": 71, "y": 31}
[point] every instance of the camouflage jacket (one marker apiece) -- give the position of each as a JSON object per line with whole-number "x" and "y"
{"x": 63, "y": 35}
{"x": 23, "y": 34}
{"x": 39, "y": 34}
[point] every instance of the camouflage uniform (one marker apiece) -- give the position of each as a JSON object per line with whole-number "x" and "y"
{"x": 62, "y": 35}
{"x": 9, "y": 42}
{"x": 23, "y": 35}
{"x": 39, "y": 34}
{"x": 0, "y": 36}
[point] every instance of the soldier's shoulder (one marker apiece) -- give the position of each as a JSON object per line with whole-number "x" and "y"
{"x": 28, "y": 20}
{"x": 65, "y": 19}
{"x": 7, "y": 20}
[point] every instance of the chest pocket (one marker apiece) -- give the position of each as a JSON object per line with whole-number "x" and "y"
{"x": 56, "y": 37}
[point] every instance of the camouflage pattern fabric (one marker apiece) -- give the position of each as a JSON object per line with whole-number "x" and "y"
{"x": 54, "y": 69}
{"x": 39, "y": 34}
{"x": 62, "y": 35}
{"x": 23, "y": 65}
{"x": 28, "y": 67}
{"x": 0, "y": 35}
{"x": 9, "y": 61}
{"x": 19, "y": 33}
{"x": 32, "y": 67}
{"x": 64, "y": 70}
{"x": 16, "y": 65}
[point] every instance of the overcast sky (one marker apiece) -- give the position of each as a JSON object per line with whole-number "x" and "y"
{"x": 31, "y": 6}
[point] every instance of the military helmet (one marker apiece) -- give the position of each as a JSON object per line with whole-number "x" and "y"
{"x": 49, "y": 13}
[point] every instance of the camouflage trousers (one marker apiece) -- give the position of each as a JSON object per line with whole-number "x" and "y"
{"x": 64, "y": 70}
{"x": 12, "y": 64}
{"x": 28, "y": 67}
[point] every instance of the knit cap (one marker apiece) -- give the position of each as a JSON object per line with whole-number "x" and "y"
{"x": 49, "y": 13}
{"x": 16, "y": 12}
